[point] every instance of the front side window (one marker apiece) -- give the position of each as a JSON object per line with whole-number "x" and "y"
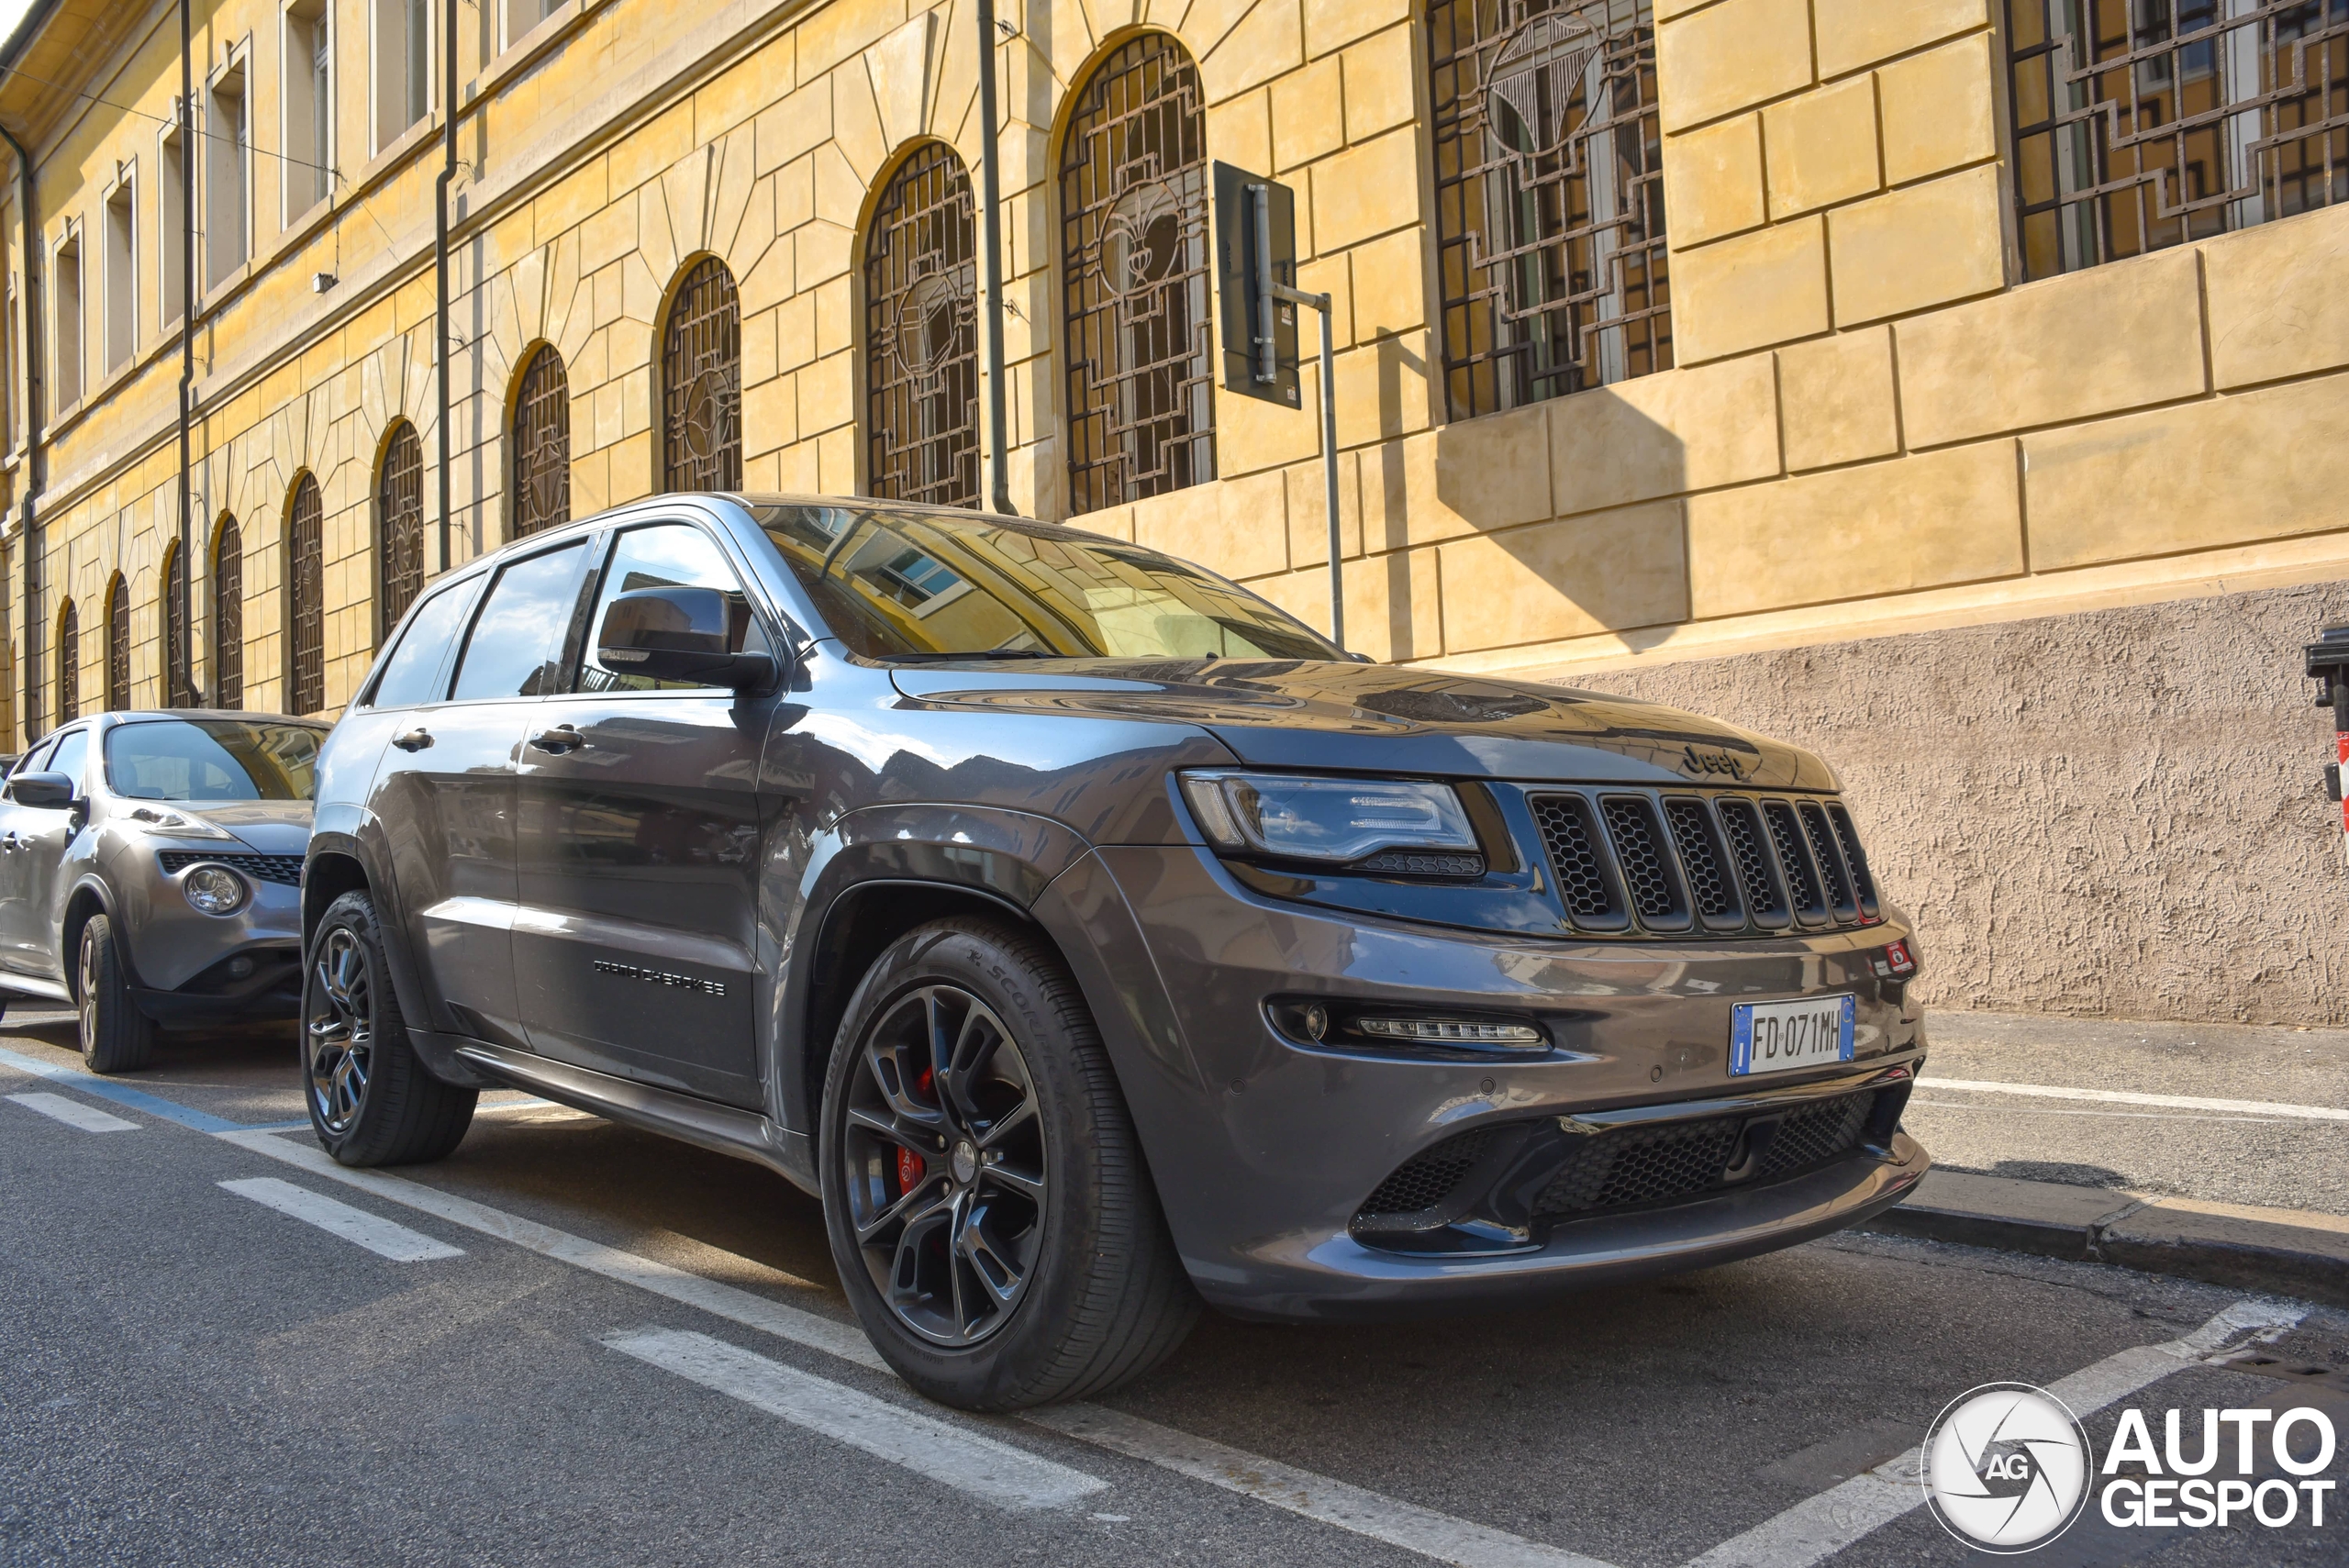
{"x": 914, "y": 586}
{"x": 1134, "y": 271}
{"x": 668, "y": 555}
{"x": 2143, "y": 124}
{"x": 701, "y": 382}
{"x": 412, "y": 674}
{"x": 1549, "y": 189}
{"x": 213, "y": 758}
{"x": 921, "y": 335}
{"x": 516, "y": 648}
{"x": 72, "y": 758}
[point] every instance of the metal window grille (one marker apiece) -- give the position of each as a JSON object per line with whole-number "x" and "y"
{"x": 69, "y": 660}
{"x": 1549, "y": 189}
{"x": 229, "y": 616}
{"x": 305, "y": 600}
{"x": 541, "y": 446}
{"x": 2143, "y": 124}
{"x": 177, "y": 690}
{"x": 1134, "y": 245}
{"x": 400, "y": 527}
{"x": 701, "y": 379}
{"x": 921, "y": 335}
{"x": 118, "y": 644}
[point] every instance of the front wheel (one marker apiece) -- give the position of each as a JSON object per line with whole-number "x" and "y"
{"x": 115, "y": 1036}
{"x": 372, "y": 1102}
{"x": 986, "y": 1196}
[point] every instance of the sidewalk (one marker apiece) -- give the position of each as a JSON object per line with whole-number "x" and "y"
{"x": 2211, "y": 1152}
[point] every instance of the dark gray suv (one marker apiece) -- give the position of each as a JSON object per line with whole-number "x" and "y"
{"x": 1091, "y": 935}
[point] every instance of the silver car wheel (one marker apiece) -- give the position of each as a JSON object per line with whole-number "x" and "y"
{"x": 85, "y": 963}
{"x": 338, "y": 1029}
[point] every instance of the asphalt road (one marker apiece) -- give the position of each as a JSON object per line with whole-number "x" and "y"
{"x": 2273, "y": 1158}
{"x": 594, "y": 1346}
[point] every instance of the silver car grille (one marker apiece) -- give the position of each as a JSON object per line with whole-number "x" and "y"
{"x": 1698, "y": 863}
{"x": 285, "y": 869}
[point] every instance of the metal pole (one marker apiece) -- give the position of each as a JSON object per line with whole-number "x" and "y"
{"x": 991, "y": 265}
{"x": 441, "y": 253}
{"x": 1274, "y": 290}
{"x": 183, "y": 632}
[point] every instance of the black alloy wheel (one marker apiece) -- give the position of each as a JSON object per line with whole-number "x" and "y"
{"x": 944, "y": 1157}
{"x": 372, "y": 1100}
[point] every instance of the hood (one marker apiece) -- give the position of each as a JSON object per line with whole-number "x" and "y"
{"x": 1377, "y": 719}
{"x": 271, "y": 827}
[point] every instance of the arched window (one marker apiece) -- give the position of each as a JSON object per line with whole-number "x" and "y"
{"x": 229, "y": 616}
{"x": 305, "y": 617}
{"x": 1134, "y": 275}
{"x": 399, "y": 528}
{"x": 69, "y": 661}
{"x": 177, "y": 691}
{"x": 541, "y": 444}
{"x": 921, "y": 336}
{"x": 118, "y": 644}
{"x": 701, "y": 382}
{"x": 1549, "y": 198}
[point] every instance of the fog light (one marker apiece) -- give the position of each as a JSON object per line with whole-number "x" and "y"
{"x": 213, "y": 890}
{"x": 1450, "y": 1031}
{"x": 240, "y": 968}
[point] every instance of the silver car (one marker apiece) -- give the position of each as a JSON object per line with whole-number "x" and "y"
{"x": 150, "y": 872}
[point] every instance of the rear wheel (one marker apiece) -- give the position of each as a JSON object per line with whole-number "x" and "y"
{"x": 989, "y": 1208}
{"x": 372, "y": 1102}
{"x": 115, "y": 1036}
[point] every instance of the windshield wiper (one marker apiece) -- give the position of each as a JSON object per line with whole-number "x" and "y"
{"x": 982, "y": 653}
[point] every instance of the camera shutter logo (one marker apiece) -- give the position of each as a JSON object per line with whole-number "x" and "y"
{"x": 2007, "y": 1467}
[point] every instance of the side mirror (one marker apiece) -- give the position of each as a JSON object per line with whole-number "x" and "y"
{"x": 52, "y": 792}
{"x": 681, "y": 634}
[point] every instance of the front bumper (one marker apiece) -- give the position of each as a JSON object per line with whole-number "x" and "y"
{"x": 1264, "y": 1150}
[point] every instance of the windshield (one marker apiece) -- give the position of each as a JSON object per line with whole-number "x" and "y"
{"x": 911, "y": 585}
{"x": 213, "y": 758}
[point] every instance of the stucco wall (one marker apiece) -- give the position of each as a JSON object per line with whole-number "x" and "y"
{"x": 2115, "y": 812}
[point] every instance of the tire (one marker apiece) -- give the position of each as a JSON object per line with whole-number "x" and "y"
{"x": 115, "y": 1036}
{"x": 1018, "y": 1158}
{"x": 371, "y": 1100}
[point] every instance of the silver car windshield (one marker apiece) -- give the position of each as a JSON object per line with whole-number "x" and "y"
{"x": 907, "y": 585}
{"x": 213, "y": 758}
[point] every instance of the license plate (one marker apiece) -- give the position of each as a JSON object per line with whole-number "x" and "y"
{"x": 1773, "y": 1037}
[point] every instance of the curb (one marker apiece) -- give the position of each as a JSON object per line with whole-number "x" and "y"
{"x": 2282, "y": 1252}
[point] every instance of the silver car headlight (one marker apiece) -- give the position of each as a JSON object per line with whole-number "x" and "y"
{"x": 1399, "y": 824}
{"x": 213, "y": 890}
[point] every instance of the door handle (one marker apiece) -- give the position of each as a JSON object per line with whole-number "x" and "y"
{"x": 415, "y": 739}
{"x": 561, "y": 738}
{"x": 9, "y": 842}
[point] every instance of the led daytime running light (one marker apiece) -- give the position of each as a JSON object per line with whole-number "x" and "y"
{"x": 1450, "y": 1031}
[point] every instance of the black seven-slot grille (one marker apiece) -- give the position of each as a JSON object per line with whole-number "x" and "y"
{"x": 286, "y": 869}
{"x": 1692, "y": 864}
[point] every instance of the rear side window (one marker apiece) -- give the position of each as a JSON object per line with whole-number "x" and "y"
{"x": 516, "y": 647}
{"x": 412, "y": 674}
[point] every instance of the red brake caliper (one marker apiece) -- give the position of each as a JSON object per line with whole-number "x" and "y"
{"x": 911, "y": 1169}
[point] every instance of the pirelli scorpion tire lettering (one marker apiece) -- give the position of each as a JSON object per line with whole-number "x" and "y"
{"x": 987, "y": 1198}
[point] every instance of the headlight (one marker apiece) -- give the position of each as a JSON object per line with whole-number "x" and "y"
{"x": 166, "y": 823}
{"x": 1388, "y": 824}
{"x": 213, "y": 890}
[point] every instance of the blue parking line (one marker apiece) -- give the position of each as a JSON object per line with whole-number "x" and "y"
{"x": 120, "y": 1094}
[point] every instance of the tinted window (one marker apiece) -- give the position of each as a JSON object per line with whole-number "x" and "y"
{"x": 34, "y": 760}
{"x": 412, "y": 674}
{"x": 72, "y": 753}
{"x": 917, "y": 584}
{"x": 213, "y": 758}
{"x": 517, "y": 642}
{"x": 669, "y": 555}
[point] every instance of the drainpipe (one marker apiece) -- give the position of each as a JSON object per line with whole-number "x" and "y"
{"x": 991, "y": 263}
{"x": 441, "y": 249}
{"x": 36, "y": 455}
{"x": 182, "y": 631}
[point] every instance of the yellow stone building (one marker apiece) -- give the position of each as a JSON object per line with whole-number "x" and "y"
{"x": 1957, "y": 385}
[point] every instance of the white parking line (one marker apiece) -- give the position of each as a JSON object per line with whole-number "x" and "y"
{"x": 1817, "y": 1528}
{"x": 379, "y": 1236}
{"x": 953, "y": 1456}
{"x": 2065, "y": 1110}
{"x": 2127, "y": 1097}
{"x": 1317, "y": 1497}
{"x": 73, "y": 1113}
